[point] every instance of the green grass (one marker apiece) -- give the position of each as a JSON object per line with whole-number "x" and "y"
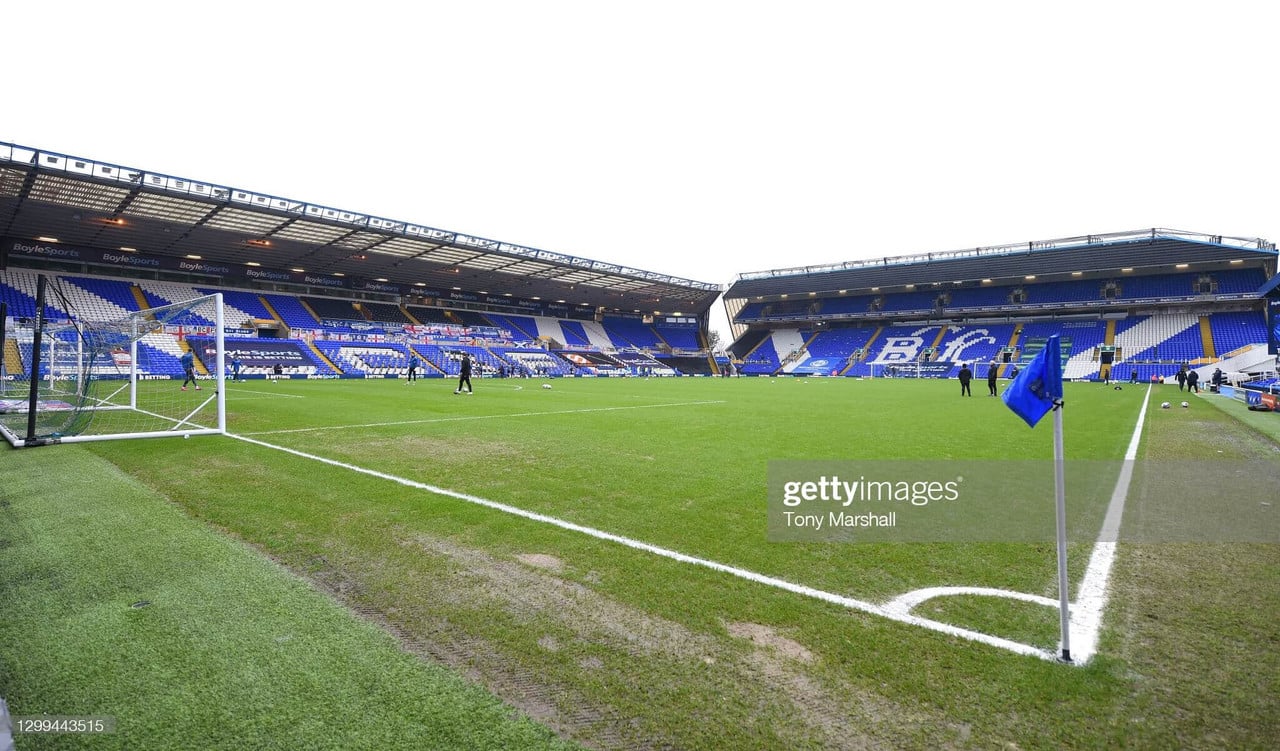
{"x": 613, "y": 646}
{"x": 115, "y": 603}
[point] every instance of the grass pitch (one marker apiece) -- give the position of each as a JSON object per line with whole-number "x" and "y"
{"x": 617, "y": 648}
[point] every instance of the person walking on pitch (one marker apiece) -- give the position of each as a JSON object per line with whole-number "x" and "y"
{"x": 464, "y": 375}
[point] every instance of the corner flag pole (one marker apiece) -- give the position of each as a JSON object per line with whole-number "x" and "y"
{"x": 1059, "y": 487}
{"x": 1034, "y": 393}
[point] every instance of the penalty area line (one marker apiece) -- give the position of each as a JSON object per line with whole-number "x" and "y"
{"x": 890, "y": 612}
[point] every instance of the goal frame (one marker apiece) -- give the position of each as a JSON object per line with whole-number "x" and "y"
{"x": 45, "y": 370}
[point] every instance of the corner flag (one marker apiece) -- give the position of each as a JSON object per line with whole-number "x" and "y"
{"x": 1031, "y": 396}
{"x": 1035, "y": 390}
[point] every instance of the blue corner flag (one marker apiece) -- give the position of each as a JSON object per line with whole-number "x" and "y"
{"x": 1034, "y": 391}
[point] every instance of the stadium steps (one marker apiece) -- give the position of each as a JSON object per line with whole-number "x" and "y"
{"x": 937, "y": 340}
{"x": 752, "y": 351}
{"x": 865, "y": 349}
{"x": 12, "y": 357}
{"x": 310, "y": 311}
{"x": 1206, "y": 337}
{"x": 1109, "y": 338}
{"x": 323, "y": 358}
{"x": 274, "y": 313}
{"x": 662, "y": 340}
{"x": 422, "y": 360}
{"x": 185, "y": 347}
{"x": 405, "y": 310}
{"x": 140, "y": 296}
{"x": 1013, "y": 342}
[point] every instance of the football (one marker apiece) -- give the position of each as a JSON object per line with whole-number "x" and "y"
{"x": 1165, "y": 405}
{"x": 1185, "y": 405}
{"x": 546, "y": 385}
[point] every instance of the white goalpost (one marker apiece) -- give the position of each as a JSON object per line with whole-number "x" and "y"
{"x": 97, "y": 380}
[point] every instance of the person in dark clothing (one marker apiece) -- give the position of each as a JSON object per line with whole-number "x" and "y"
{"x": 1193, "y": 381}
{"x": 1133, "y": 376}
{"x": 413, "y": 370}
{"x": 464, "y": 374}
{"x": 966, "y": 376}
{"x": 993, "y": 372}
{"x": 1182, "y": 378}
{"x": 188, "y": 361}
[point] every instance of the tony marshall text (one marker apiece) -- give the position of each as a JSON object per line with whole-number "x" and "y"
{"x": 840, "y": 519}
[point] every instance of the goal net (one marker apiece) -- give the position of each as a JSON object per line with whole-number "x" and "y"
{"x": 67, "y": 377}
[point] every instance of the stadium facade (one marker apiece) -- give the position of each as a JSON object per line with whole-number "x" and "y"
{"x": 325, "y": 292}
{"x": 1141, "y": 304}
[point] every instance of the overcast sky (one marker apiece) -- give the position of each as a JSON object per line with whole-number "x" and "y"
{"x": 697, "y": 139}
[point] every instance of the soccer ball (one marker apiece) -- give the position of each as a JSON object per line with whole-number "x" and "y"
{"x": 186, "y": 435}
{"x": 1185, "y": 405}
{"x": 1165, "y": 405}
{"x": 546, "y": 385}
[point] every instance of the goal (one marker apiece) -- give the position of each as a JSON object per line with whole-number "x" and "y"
{"x": 67, "y": 377}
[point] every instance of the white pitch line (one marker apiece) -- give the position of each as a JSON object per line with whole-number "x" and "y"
{"x": 463, "y": 418}
{"x": 1090, "y": 603}
{"x": 771, "y": 581}
{"x": 1091, "y": 597}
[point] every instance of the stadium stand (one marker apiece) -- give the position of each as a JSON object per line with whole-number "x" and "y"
{"x": 1234, "y": 330}
{"x": 681, "y": 337}
{"x": 292, "y": 311}
{"x": 522, "y": 328}
{"x": 630, "y": 333}
{"x": 329, "y": 309}
{"x": 18, "y": 293}
{"x": 385, "y": 312}
{"x": 248, "y": 304}
{"x": 363, "y": 359}
{"x": 466, "y": 318}
{"x": 573, "y": 334}
{"x": 166, "y": 293}
{"x": 1165, "y": 336}
{"x": 429, "y": 315}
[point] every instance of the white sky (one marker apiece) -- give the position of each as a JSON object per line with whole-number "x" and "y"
{"x": 697, "y": 139}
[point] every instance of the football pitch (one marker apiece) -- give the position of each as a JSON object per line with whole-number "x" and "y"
{"x": 612, "y": 557}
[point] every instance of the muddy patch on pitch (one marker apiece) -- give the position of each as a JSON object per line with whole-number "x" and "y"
{"x": 542, "y": 561}
{"x": 528, "y": 589}
{"x": 767, "y": 637}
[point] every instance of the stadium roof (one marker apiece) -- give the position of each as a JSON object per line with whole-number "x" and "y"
{"x": 86, "y": 203}
{"x": 1140, "y": 250}
{"x": 1271, "y": 287}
